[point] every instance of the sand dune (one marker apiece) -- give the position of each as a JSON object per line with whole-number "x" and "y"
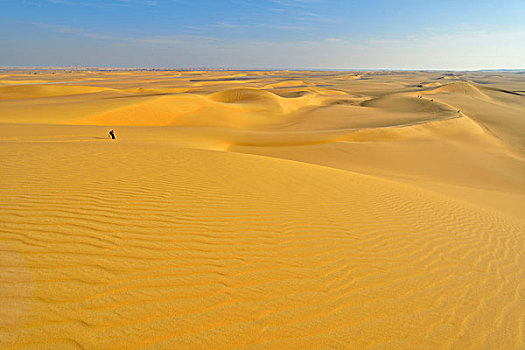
{"x": 351, "y": 213}
{"x": 233, "y": 108}
{"x": 467, "y": 89}
{"x": 14, "y": 82}
{"x": 265, "y": 100}
{"x": 408, "y": 104}
{"x": 496, "y": 110}
{"x": 39, "y": 91}
{"x": 287, "y": 84}
{"x": 308, "y": 272}
{"x": 430, "y": 84}
{"x": 163, "y": 91}
{"x": 246, "y": 95}
{"x": 225, "y": 82}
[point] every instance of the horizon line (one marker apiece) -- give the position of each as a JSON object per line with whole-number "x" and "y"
{"x": 152, "y": 68}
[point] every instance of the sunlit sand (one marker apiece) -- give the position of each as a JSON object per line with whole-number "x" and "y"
{"x": 352, "y": 210}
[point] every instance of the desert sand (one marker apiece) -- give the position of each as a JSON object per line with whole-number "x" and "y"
{"x": 262, "y": 210}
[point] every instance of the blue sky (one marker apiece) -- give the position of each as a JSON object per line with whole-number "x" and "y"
{"x": 337, "y": 34}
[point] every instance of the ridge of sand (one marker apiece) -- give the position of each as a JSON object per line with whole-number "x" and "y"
{"x": 436, "y": 155}
{"x": 42, "y": 90}
{"x": 497, "y": 110}
{"x": 264, "y": 99}
{"x": 25, "y": 82}
{"x": 288, "y": 84}
{"x": 409, "y": 104}
{"x": 159, "y": 111}
{"x": 430, "y": 84}
{"x": 225, "y": 82}
{"x": 234, "y": 108}
{"x": 155, "y": 91}
{"x": 246, "y": 95}
{"x": 351, "y": 77}
{"x": 462, "y": 88}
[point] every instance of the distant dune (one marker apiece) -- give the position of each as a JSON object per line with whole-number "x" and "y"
{"x": 24, "y": 91}
{"x": 379, "y": 210}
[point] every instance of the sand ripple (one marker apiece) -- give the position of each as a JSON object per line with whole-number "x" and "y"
{"x": 125, "y": 247}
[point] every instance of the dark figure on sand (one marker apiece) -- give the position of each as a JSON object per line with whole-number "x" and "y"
{"x": 111, "y": 134}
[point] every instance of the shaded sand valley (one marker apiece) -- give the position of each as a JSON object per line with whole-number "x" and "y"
{"x": 255, "y": 210}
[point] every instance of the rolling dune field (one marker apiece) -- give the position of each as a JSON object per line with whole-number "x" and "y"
{"x": 262, "y": 210}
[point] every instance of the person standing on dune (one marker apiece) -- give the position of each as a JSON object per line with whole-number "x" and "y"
{"x": 111, "y": 134}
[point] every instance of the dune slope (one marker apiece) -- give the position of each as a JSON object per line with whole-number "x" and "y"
{"x": 118, "y": 246}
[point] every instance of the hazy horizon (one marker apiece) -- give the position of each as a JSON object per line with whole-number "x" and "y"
{"x": 247, "y": 69}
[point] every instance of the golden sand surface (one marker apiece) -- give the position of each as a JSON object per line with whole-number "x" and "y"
{"x": 262, "y": 210}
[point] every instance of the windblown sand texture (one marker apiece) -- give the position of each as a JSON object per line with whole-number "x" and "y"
{"x": 262, "y": 210}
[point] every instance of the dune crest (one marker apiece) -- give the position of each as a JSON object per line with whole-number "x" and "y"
{"x": 288, "y": 84}
{"x": 467, "y": 89}
{"x": 235, "y": 108}
{"x": 42, "y": 90}
{"x": 265, "y": 100}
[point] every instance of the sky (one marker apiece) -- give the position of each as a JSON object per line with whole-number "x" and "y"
{"x": 264, "y": 34}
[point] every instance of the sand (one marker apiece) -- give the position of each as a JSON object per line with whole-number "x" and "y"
{"x": 256, "y": 210}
